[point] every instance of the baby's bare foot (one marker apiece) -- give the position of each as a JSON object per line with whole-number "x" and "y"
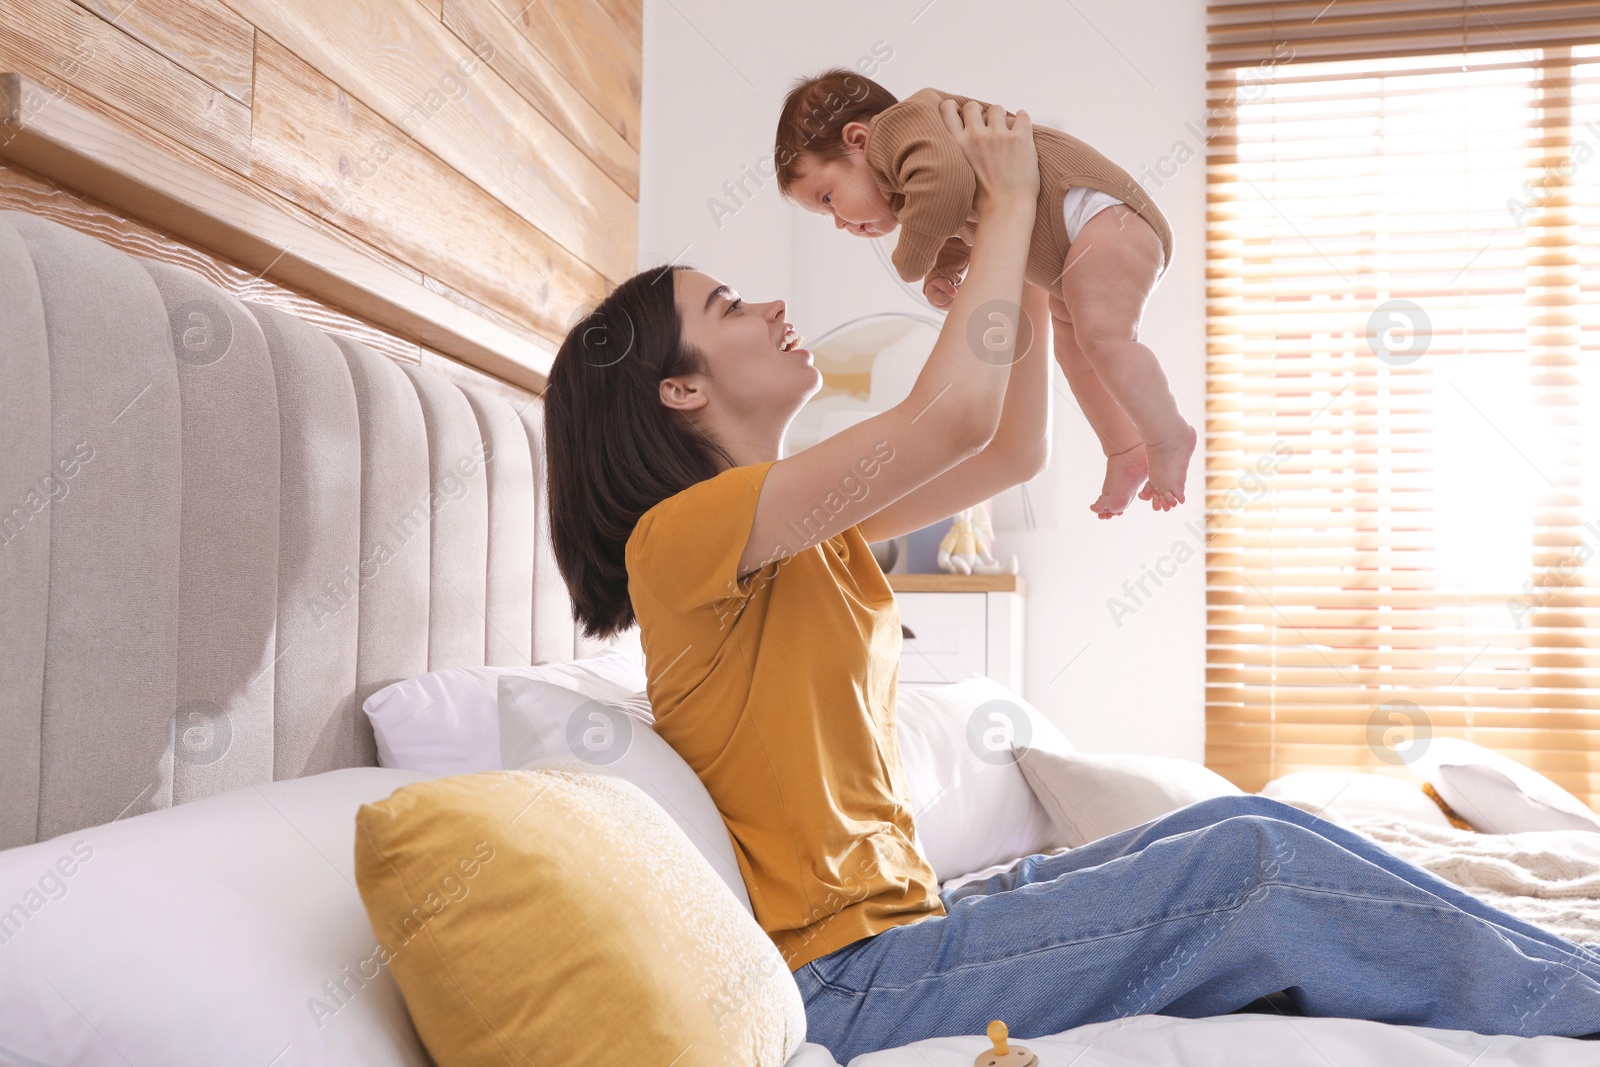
{"x": 1169, "y": 467}
{"x": 1125, "y": 473}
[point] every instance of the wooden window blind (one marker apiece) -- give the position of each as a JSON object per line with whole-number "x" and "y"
{"x": 1403, "y": 385}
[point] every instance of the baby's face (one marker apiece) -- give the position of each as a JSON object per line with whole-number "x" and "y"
{"x": 843, "y": 189}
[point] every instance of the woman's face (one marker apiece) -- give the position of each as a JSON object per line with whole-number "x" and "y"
{"x": 751, "y": 380}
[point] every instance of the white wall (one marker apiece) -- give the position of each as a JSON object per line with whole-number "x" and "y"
{"x": 1125, "y": 75}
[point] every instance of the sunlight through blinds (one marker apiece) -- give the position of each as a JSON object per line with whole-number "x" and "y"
{"x": 1403, "y": 424}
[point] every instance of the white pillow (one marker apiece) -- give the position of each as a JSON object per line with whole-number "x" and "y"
{"x": 1340, "y": 796}
{"x": 971, "y": 806}
{"x": 224, "y": 930}
{"x": 1494, "y": 793}
{"x": 543, "y": 723}
{"x": 446, "y": 722}
{"x": 1093, "y": 796}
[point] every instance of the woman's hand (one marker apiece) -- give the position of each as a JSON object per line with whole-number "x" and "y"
{"x": 1002, "y": 157}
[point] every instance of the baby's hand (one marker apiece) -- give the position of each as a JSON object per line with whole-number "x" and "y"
{"x": 940, "y": 291}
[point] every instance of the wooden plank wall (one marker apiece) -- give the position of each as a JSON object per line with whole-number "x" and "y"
{"x": 489, "y": 146}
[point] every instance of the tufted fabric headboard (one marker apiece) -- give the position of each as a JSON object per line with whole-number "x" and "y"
{"x": 221, "y": 529}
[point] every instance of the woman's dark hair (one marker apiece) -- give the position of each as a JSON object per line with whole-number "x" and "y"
{"x": 612, "y": 449}
{"x": 814, "y": 115}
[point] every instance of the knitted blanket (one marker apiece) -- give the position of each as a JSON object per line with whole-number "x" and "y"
{"x": 1550, "y": 878}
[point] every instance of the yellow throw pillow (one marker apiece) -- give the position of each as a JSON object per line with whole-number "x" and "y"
{"x": 560, "y": 916}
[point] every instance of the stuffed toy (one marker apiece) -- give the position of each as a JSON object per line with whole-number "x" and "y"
{"x": 965, "y": 548}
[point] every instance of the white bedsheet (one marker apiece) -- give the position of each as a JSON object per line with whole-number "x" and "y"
{"x": 1250, "y": 1041}
{"x": 1551, "y": 878}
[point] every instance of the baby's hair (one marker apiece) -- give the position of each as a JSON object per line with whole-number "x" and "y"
{"x": 814, "y": 116}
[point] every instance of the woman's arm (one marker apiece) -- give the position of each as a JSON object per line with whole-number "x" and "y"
{"x": 955, "y": 405}
{"x": 1019, "y": 450}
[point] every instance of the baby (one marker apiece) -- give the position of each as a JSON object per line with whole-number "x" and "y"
{"x": 847, "y": 148}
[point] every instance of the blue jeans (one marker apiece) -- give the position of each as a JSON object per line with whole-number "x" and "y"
{"x": 1199, "y": 913}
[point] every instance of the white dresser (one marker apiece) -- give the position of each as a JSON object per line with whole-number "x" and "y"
{"x": 960, "y": 624}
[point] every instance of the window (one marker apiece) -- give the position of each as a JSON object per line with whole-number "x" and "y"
{"x": 1403, "y": 368}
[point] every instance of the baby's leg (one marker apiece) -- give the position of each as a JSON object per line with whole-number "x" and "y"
{"x": 1126, "y": 467}
{"x": 1109, "y": 273}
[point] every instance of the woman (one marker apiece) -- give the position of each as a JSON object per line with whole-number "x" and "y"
{"x": 772, "y": 642}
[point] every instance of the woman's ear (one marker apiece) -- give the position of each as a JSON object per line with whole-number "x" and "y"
{"x": 682, "y": 394}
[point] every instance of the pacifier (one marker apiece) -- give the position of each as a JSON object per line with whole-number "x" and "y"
{"x": 1004, "y": 1054}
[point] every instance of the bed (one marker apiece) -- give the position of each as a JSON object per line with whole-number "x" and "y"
{"x": 194, "y": 487}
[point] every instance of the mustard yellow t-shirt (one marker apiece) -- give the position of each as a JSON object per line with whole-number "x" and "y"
{"x": 779, "y": 690}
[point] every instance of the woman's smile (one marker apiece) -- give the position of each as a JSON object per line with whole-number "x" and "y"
{"x": 791, "y": 342}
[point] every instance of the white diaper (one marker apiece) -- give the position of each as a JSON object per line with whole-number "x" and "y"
{"x": 1082, "y": 204}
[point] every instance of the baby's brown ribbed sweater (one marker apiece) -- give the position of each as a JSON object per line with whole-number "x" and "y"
{"x": 930, "y": 187}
